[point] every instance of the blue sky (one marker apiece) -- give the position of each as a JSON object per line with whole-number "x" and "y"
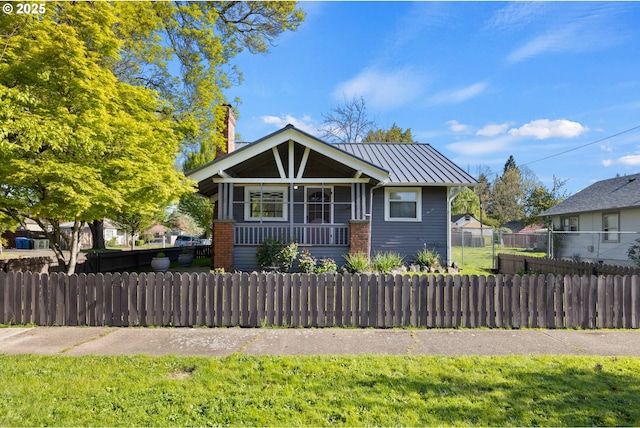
{"x": 478, "y": 81}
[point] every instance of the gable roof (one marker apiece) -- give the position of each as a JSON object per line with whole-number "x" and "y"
{"x": 393, "y": 163}
{"x": 285, "y": 134}
{"x": 411, "y": 163}
{"x": 614, "y": 193}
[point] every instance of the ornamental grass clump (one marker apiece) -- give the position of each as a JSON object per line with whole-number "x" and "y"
{"x": 428, "y": 259}
{"x": 357, "y": 262}
{"x": 387, "y": 261}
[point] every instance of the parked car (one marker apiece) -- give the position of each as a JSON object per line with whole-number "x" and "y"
{"x": 186, "y": 241}
{"x": 205, "y": 241}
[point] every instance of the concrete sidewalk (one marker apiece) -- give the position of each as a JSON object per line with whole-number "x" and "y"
{"x": 226, "y": 341}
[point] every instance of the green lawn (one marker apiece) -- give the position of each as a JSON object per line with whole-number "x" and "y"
{"x": 479, "y": 261}
{"x": 319, "y": 391}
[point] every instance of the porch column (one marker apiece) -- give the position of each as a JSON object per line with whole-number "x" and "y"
{"x": 223, "y": 244}
{"x": 359, "y": 236}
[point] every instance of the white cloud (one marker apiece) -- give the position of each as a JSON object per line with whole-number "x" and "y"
{"x": 607, "y": 162}
{"x": 459, "y": 128}
{"x": 493, "y": 130}
{"x": 481, "y": 147}
{"x": 306, "y": 123}
{"x": 544, "y": 128}
{"x": 459, "y": 95}
{"x": 516, "y": 15}
{"x": 630, "y": 160}
{"x": 574, "y": 30}
{"x": 383, "y": 90}
{"x": 556, "y": 41}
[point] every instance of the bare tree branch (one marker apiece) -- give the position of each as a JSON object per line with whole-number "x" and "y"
{"x": 347, "y": 123}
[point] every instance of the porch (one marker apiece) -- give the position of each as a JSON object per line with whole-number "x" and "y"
{"x": 303, "y": 234}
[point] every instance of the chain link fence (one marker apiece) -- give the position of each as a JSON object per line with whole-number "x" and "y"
{"x": 594, "y": 247}
{"x": 480, "y": 246}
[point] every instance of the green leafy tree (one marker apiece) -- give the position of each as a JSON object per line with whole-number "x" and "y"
{"x": 393, "y": 135}
{"x": 541, "y": 199}
{"x": 92, "y": 118}
{"x": 199, "y": 209}
{"x": 202, "y": 38}
{"x": 466, "y": 202}
{"x": 77, "y": 144}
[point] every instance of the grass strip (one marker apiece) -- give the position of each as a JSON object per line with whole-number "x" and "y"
{"x": 245, "y": 390}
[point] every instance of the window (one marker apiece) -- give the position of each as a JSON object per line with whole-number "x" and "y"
{"x": 569, "y": 224}
{"x": 403, "y": 204}
{"x": 610, "y": 225}
{"x": 266, "y": 203}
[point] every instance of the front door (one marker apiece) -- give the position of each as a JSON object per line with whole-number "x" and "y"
{"x": 319, "y": 210}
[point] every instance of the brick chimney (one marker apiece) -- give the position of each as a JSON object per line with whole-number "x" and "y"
{"x": 229, "y": 132}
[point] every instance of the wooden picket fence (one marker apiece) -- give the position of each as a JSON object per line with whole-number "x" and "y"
{"x": 327, "y": 300}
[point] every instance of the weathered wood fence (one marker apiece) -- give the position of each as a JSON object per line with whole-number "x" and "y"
{"x": 382, "y": 301}
{"x": 516, "y": 264}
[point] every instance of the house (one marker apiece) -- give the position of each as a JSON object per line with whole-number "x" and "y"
{"x": 475, "y": 233}
{"x": 332, "y": 199}
{"x": 599, "y": 223}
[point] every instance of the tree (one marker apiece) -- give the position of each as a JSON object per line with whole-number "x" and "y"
{"x": 505, "y": 202}
{"x": 509, "y": 164}
{"x": 77, "y": 144}
{"x": 541, "y": 199}
{"x": 202, "y": 38}
{"x": 466, "y": 202}
{"x": 347, "y": 123}
{"x": 393, "y": 135}
{"x": 92, "y": 119}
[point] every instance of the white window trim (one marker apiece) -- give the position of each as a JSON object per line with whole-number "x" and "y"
{"x": 247, "y": 205}
{"x": 387, "y": 209}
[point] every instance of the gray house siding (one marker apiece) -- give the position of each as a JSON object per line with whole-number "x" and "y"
{"x": 407, "y": 238}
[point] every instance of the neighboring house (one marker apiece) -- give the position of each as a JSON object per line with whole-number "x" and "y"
{"x": 468, "y": 226}
{"x": 600, "y": 221}
{"x": 330, "y": 198}
{"x": 112, "y": 235}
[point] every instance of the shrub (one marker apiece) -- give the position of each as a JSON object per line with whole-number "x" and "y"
{"x": 634, "y": 252}
{"x": 267, "y": 253}
{"x": 327, "y": 265}
{"x": 386, "y": 262}
{"x": 273, "y": 253}
{"x": 356, "y": 262}
{"x": 428, "y": 258}
{"x": 306, "y": 262}
{"x": 287, "y": 255}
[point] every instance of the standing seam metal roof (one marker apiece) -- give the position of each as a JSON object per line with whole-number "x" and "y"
{"x": 410, "y": 163}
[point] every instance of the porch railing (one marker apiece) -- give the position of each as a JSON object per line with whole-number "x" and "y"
{"x": 303, "y": 234}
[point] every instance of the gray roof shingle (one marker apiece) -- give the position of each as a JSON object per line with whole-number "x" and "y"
{"x": 413, "y": 163}
{"x": 614, "y": 193}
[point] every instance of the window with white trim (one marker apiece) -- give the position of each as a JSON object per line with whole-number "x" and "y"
{"x": 265, "y": 203}
{"x": 569, "y": 224}
{"x": 610, "y": 225}
{"x": 403, "y": 204}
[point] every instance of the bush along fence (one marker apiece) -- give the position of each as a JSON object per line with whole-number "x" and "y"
{"x": 325, "y": 300}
